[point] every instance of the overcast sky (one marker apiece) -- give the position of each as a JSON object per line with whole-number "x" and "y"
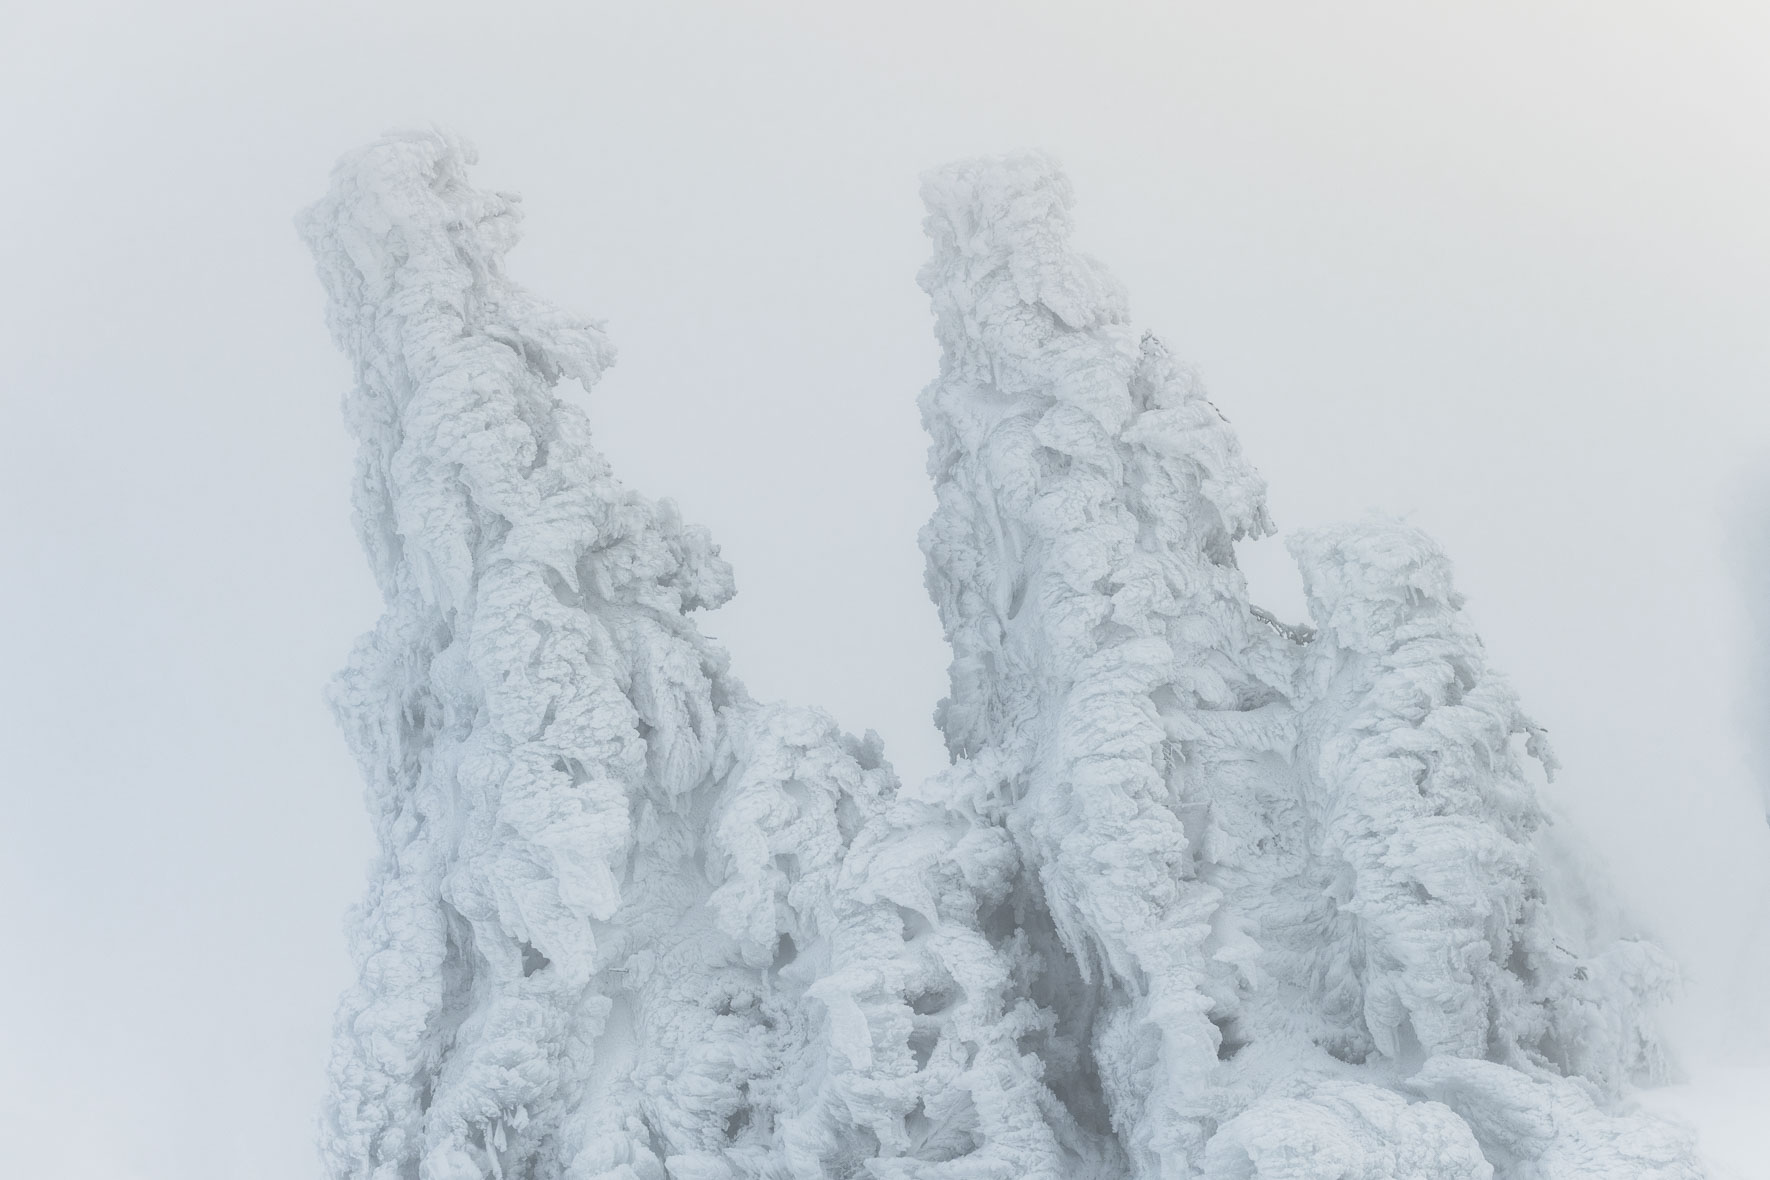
{"x": 1502, "y": 268}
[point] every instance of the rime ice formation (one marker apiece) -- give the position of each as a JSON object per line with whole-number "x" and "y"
{"x": 1281, "y": 887}
{"x": 625, "y": 923}
{"x": 1201, "y": 895}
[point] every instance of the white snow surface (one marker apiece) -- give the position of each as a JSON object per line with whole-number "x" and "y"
{"x": 1202, "y": 893}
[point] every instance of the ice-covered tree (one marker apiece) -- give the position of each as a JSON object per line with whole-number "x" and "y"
{"x": 625, "y": 923}
{"x": 1283, "y": 891}
{"x": 1450, "y": 935}
{"x": 1201, "y": 895}
{"x": 1106, "y": 667}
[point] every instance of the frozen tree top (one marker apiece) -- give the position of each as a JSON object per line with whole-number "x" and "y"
{"x": 1202, "y": 894}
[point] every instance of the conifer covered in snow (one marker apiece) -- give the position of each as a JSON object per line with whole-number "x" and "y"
{"x": 625, "y": 923}
{"x": 1201, "y": 895}
{"x": 1081, "y": 555}
{"x": 1290, "y": 897}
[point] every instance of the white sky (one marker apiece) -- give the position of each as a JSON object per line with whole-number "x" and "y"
{"x": 1501, "y": 267}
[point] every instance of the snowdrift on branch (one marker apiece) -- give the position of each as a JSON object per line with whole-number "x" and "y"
{"x": 1202, "y": 894}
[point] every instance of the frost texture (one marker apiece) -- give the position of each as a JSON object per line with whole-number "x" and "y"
{"x": 1201, "y": 895}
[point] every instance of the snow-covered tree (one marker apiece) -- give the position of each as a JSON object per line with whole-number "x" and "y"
{"x": 1283, "y": 886}
{"x": 625, "y": 923}
{"x": 1431, "y": 836}
{"x": 1202, "y": 894}
{"x": 1106, "y": 667}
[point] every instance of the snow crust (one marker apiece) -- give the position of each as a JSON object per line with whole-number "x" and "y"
{"x": 1202, "y": 894}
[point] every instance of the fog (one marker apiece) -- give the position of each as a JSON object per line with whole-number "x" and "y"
{"x": 1501, "y": 269}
